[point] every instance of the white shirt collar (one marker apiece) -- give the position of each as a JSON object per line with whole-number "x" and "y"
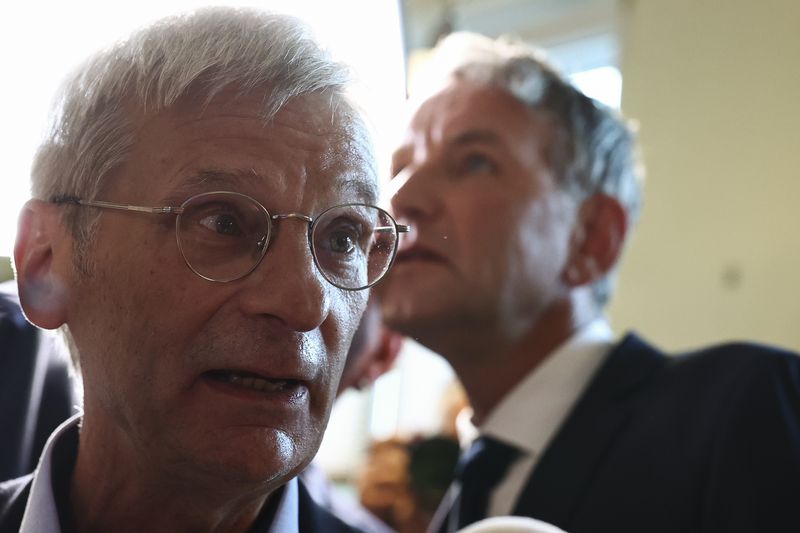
{"x": 287, "y": 515}
{"x": 41, "y": 513}
{"x": 544, "y": 398}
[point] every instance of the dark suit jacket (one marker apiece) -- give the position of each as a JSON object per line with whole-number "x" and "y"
{"x": 36, "y": 390}
{"x": 701, "y": 442}
{"x": 313, "y": 518}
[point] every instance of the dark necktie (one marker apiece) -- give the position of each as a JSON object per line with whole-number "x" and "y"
{"x": 479, "y": 471}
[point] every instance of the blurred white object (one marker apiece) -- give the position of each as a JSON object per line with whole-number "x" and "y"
{"x": 511, "y": 524}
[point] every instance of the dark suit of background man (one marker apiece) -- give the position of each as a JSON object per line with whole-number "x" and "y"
{"x": 202, "y": 224}
{"x": 521, "y": 192}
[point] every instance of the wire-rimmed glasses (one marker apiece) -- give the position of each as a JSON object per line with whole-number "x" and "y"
{"x": 223, "y": 236}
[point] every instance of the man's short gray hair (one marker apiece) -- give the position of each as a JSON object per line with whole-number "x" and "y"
{"x": 592, "y": 150}
{"x": 201, "y": 53}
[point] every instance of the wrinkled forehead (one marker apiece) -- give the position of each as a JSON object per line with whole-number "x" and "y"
{"x": 351, "y": 144}
{"x": 353, "y": 140}
{"x": 323, "y": 122}
{"x": 335, "y": 118}
{"x": 323, "y": 113}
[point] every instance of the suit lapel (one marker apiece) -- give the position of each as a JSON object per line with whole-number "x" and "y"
{"x": 565, "y": 470}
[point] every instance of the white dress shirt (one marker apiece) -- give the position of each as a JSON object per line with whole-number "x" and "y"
{"x": 531, "y": 414}
{"x": 41, "y": 513}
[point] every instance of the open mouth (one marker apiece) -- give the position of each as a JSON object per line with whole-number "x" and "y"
{"x": 247, "y": 380}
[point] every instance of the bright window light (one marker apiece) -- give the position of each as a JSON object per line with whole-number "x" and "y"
{"x": 40, "y": 44}
{"x": 604, "y": 84}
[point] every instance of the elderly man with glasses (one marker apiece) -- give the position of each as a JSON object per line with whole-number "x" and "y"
{"x": 203, "y": 230}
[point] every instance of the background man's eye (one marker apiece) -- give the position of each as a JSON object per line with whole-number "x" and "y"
{"x": 477, "y": 163}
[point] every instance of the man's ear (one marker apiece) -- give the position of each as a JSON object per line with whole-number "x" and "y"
{"x": 597, "y": 240}
{"x": 385, "y": 355}
{"x": 42, "y": 291}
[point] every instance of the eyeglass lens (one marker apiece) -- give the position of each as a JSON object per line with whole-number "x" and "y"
{"x": 353, "y": 244}
{"x": 223, "y": 236}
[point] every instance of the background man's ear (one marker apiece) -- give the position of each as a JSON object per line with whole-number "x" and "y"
{"x": 385, "y": 355}
{"x": 373, "y": 350}
{"x": 42, "y": 291}
{"x": 597, "y": 240}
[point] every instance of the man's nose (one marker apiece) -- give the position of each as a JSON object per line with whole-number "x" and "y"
{"x": 287, "y": 284}
{"x": 416, "y": 195}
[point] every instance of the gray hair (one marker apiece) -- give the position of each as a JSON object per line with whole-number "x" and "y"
{"x": 200, "y": 53}
{"x": 593, "y": 150}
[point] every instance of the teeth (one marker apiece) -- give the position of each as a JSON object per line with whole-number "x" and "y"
{"x": 258, "y": 384}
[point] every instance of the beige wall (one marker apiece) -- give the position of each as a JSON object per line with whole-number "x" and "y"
{"x": 715, "y": 86}
{"x": 5, "y": 269}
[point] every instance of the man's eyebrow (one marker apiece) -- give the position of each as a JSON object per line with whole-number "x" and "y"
{"x": 476, "y": 136}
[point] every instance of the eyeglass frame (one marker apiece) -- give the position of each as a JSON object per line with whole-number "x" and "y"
{"x": 179, "y": 210}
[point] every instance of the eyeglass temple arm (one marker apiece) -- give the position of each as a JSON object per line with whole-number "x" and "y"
{"x": 401, "y": 228}
{"x": 122, "y": 207}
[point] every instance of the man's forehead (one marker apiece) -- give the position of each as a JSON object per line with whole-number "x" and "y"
{"x": 354, "y": 148}
{"x": 315, "y": 113}
{"x": 463, "y": 111}
{"x": 464, "y": 101}
{"x": 350, "y": 149}
{"x": 363, "y": 188}
{"x": 315, "y": 129}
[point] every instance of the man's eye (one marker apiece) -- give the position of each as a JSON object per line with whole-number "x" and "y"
{"x": 222, "y": 223}
{"x": 343, "y": 237}
{"x": 478, "y": 164}
{"x": 342, "y": 242}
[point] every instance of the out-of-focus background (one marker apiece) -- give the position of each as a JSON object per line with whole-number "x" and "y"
{"x": 711, "y": 84}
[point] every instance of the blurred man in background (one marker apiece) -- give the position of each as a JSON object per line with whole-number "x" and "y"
{"x": 521, "y": 192}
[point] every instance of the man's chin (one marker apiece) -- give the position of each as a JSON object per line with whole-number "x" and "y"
{"x": 250, "y": 456}
{"x": 414, "y": 318}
